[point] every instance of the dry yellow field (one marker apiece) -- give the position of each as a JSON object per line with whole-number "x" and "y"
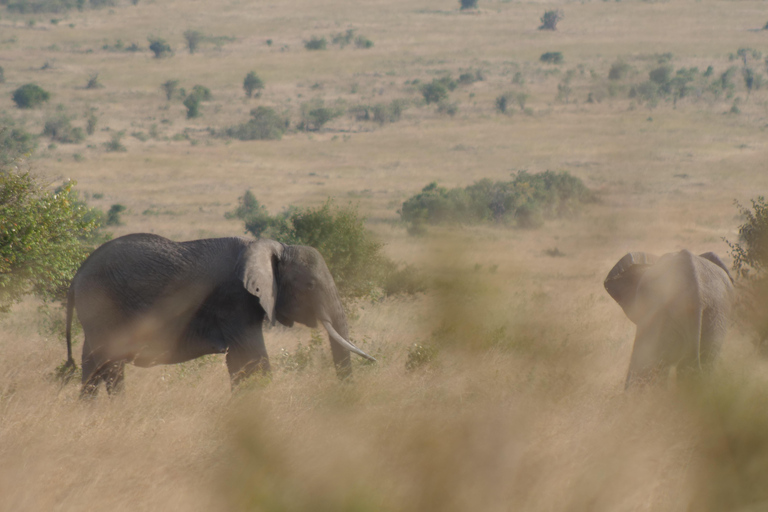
{"x": 523, "y": 408}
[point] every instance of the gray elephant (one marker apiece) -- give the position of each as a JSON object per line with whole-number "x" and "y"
{"x": 147, "y": 300}
{"x": 680, "y": 303}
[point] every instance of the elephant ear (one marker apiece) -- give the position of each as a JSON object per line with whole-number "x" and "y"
{"x": 257, "y": 269}
{"x": 714, "y": 258}
{"x": 621, "y": 282}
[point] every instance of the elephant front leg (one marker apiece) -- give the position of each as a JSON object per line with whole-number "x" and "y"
{"x": 245, "y": 359}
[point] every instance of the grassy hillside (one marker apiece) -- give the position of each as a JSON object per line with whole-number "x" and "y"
{"x": 516, "y": 400}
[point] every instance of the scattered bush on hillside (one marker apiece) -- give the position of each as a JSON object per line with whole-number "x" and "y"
{"x": 159, "y": 47}
{"x": 315, "y": 115}
{"x": 552, "y": 58}
{"x": 59, "y": 128}
{"x": 502, "y": 102}
{"x": 14, "y": 142}
{"x": 113, "y": 215}
{"x": 192, "y": 101}
{"x": 435, "y": 91}
{"x": 93, "y": 82}
{"x": 90, "y": 123}
{"x": 750, "y": 263}
{"x": 114, "y": 145}
{"x": 550, "y": 19}
{"x": 343, "y": 38}
{"x": 448, "y": 108}
{"x": 252, "y": 83}
{"x": 265, "y": 124}
{"x": 53, "y": 6}
{"x": 468, "y": 4}
{"x": 470, "y": 77}
{"x": 2, "y": 75}
{"x": 316, "y": 43}
{"x": 44, "y": 236}
{"x": 363, "y": 43}
{"x": 193, "y": 39}
{"x": 169, "y": 87}
{"x": 353, "y": 256}
{"x": 525, "y": 201}
{"x": 619, "y": 70}
{"x": 381, "y": 113}
{"x": 30, "y": 96}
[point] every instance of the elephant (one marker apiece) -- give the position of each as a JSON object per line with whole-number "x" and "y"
{"x": 680, "y": 304}
{"x": 147, "y": 300}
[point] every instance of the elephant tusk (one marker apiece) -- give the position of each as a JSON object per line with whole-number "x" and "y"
{"x": 344, "y": 343}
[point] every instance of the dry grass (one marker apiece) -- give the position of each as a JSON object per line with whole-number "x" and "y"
{"x": 522, "y": 407}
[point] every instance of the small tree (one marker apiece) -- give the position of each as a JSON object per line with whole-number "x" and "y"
{"x": 552, "y": 58}
{"x": 468, "y": 4}
{"x": 30, "y": 96}
{"x": 316, "y": 43}
{"x": 550, "y": 18}
{"x": 44, "y": 236}
{"x": 434, "y": 92}
{"x": 170, "y": 87}
{"x": 192, "y": 102}
{"x": 159, "y": 47}
{"x": 193, "y": 38}
{"x": 252, "y": 83}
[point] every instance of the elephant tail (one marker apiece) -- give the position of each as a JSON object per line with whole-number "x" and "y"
{"x": 70, "y": 312}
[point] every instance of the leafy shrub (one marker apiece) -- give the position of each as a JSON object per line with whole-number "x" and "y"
{"x": 251, "y": 83}
{"x": 525, "y": 201}
{"x": 750, "y": 262}
{"x": 60, "y": 129}
{"x": 30, "y": 96}
{"x": 169, "y": 87}
{"x": 468, "y": 78}
{"x": 192, "y": 101}
{"x": 619, "y": 70}
{"x": 44, "y": 237}
{"x": 113, "y": 215}
{"x": 114, "y": 144}
{"x": 202, "y": 92}
{"x": 314, "y": 115}
{"x": 265, "y": 124}
{"x": 448, "y": 108}
{"x": 354, "y": 258}
{"x": 90, "y": 123}
{"x": 193, "y": 39}
{"x": 160, "y": 48}
{"x": 343, "y": 38}
{"x": 14, "y": 143}
{"x": 93, "y": 82}
{"x": 434, "y": 92}
{"x": 550, "y": 18}
{"x": 363, "y": 42}
{"x": 552, "y": 58}
{"x": 502, "y": 102}
{"x": 2, "y": 75}
{"x": 381, "y": 112}
{"x": 316, "y": 43}
{"x": 468, "y": 4}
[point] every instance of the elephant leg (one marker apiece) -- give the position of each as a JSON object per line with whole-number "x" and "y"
{"x": 90, "y": 367}
{"x": 245, "y": 359}
{"x": 341, "y": 360}
{"x": 113, "y": 376}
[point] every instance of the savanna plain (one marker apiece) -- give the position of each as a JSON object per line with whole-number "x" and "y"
{"x": 499, "y": 387}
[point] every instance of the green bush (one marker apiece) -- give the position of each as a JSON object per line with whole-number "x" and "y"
{"x": 59, "y": 128}
{"x": 550, "y": 18}
{"x": 434, "y": 92}
{"x": 354, "y": 258}
{"x": 114, "y": 144}
{"x": 619, "y": 70}
{"x": 363, "y": 42}
{"x": 552, "y": 58}
{"x": 44, "y": 237}
{"x": 314, "y": 115}
{"x": 2, "y": 75}
{"x": 169, "y": 87}
{"x": 252, "y": 83}
{"x": 113, "y": 215}
{"x": 14, "y": 142}
{"x": 193, "y": 39}
{"x": 30, "y": 96}
{"x": 381, "y": 112}
{"x": 265, "y": 124}
{"x": 750, "y": 262}
{"x": 159, "y": 47}
{"x": 316, "y": 43}
{"x": 468, "y": 4}
{"x": 192, "y": 101}
{"x": 525, "y": 201}
{"x": 343, "y": 38}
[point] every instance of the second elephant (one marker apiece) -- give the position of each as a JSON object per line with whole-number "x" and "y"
{"x": 680, "y": 303}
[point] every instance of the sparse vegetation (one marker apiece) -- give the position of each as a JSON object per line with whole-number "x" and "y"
{"x": 59, "y": 128}
{"x": 93, "y": 82}
{"x": 468, "y": 4}
{"x": 170, "y": 87}
{"x": 30, "y": 96}
{"x": 550, "y": 19}
{"x": 252, "y": 83}
{"x": 265, "y": 124}
{"x": 115, "y": 145}
{"x": 525, "y": 201}
{"x": 193, "y": 39}
{"x": 434, "y": 92}
{"x": 160, "y": 48}
{"x": 113, "y": 215}
{"x": 316, "y": 43}
{"x": 15, "y": 143}
{"x": 551, "y": 58}
{"x": 315, "y": 115}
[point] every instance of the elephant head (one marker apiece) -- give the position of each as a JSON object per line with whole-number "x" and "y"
{"x": 293, "y": 284}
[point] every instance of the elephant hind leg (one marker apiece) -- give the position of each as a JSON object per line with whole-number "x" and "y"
{"x": 113, "y": 376}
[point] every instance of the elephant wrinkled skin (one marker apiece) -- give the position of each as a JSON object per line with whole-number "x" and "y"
{"x": 147, "y": 300}
{"x": 680, "y": 303}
